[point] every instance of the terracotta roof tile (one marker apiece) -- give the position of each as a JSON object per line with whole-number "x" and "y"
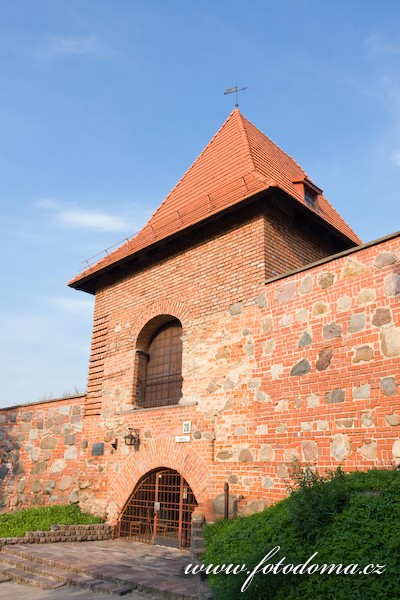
{"x": 238, "y": 162}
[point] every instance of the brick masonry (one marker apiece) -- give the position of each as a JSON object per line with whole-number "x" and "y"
{"x": 306, "y": 365}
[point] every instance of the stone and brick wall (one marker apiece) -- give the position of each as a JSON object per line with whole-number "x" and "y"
{"x": 195, "y": 278}
{"x": 307, "y": 365}
{"x": 322, "y": 376}
{"x": 39, "y": 446}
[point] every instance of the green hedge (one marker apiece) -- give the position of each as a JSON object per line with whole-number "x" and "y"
{"x": 346, "y": 519}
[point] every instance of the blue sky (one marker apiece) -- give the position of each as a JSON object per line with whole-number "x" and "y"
{"x": 105, "y": 104}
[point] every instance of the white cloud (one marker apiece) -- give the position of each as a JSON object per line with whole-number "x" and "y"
{"x": 65, "y": 45}
{"x": 81, "y": 218}
{"x": 91, "y": 219}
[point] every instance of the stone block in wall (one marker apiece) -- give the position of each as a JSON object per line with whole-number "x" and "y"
{"x": 39, "y": 468}
{"x": 357, "y": 322}
{"x": 218, "y": 505}
{"x": 309, "y": 450}
{"x": 388, "y": 386}
{"x": 385, "y": 259}
{"x": 362, "y": 392}
{"x": 335, "y": 396}
{"x": 363, "y": 354}
{"x": 246, "y": 455}
{"x": 267, "y": 482}
{"x": 366, "y": 296}
{"x": 65, "y": 482}
{"x": 324, "y": 359}
{"x": 340, "y": 447}
{"x": 393, "y": 420}
{"x": 266, "y": 453}
{"x": 343, "y": 303}
{"x": 369, "y": 450}
{"x": 285, "y": 293}
{"x": 352, "y": 267}
{"x": 325, "y": 280}
{"x": 390, "y": 342}
{"x": 382, "y": 316}
{"x": 306, "y": 285}
{"x": 48, "y": 443}
{"x": 392, "y": 285}
{"x": 301, "y": 368}
{"x": 331, "y": 331}
{"x": 320, "y": 309}
{"x": 305, "y": 339}
{"x": 236, "y": 309}
{"x": 223, "y": 455}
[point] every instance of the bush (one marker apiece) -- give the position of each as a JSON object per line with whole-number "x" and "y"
{"x": 16, "y": 524}
{"x": 345, "y": 518}
{"x": 315, "y": 504}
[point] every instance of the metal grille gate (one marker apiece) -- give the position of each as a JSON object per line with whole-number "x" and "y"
{"x": 159, "y": 510}
{"x": 163, "y": 384}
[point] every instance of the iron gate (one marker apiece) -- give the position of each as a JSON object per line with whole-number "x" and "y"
{"x": 159, "y": 510}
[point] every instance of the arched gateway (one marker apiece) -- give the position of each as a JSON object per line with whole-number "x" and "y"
{"x": 159, "y": 510}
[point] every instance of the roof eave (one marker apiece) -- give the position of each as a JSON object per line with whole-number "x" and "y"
{"x": 88, "y": 283}
{"x": 302, "y": 207}
{"x": 80, "y": 281}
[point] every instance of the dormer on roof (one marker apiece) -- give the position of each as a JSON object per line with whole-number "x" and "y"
{"x": 309, "y": 191}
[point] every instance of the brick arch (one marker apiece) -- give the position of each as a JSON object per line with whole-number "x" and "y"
{"x": 149, "y": 321}
{"x": 161, "y": 453}
{"x": 173, "y": 308}
{"x": 151, "y": 328}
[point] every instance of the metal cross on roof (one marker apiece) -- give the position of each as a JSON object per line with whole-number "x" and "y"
{"x": 235, "y": 90}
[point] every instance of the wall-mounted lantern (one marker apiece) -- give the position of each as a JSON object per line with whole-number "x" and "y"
{"x": 133, "y": 439}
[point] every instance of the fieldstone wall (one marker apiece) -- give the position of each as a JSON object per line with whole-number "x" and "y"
{"x": 305, "y": 366}
{"x": 308, "y": 368}
{"x": 39, "y": 447}
{"x": 322, "y": 374}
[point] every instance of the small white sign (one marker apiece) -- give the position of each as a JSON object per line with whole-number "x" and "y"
{"x": 186, "y": 427}
{"x": 182, "y": 438}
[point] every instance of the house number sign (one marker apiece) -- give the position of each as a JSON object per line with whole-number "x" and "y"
{"x": 186, "y": 427}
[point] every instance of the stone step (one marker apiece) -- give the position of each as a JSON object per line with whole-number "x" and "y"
{"x": 111, "y": 580}
{"x": 28, "y": 570}
{"x": 23, "y": 552}
{"x": 29, "y": 578}
{"x": 31, "y": 566}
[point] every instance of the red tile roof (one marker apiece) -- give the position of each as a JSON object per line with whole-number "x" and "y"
{"x": 240, "y": 161}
